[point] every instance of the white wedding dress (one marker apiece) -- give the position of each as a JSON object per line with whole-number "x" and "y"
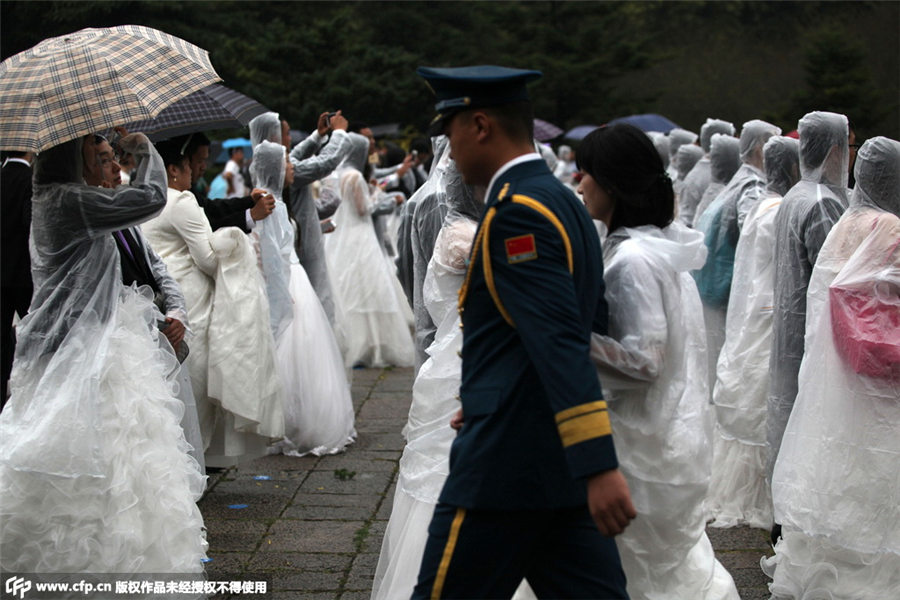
{"x": 94, "y": 467}
{"x": 372, "y": 310}
{"x": 232, "y": 353}
{"x": 318, "y": 408}
{"x": 424, "y": 465}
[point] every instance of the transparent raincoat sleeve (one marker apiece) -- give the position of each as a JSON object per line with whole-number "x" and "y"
{"x": 632, "y": 355}
{"x": 308, "y": 168}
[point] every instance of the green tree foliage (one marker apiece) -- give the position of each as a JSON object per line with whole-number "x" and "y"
{"x": 838, "y": 80}
{"x": 686, "y": 60}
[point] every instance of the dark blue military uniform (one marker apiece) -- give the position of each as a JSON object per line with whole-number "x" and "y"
{"x": 536, "y": 426}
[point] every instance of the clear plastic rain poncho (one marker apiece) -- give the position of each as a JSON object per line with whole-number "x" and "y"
{"x": 405, "y": 255}
{"x": 835, "y": 484}
{"x": 652, "y": 367}
{"x": 276, "y": 236}
{"x": 63, "y": 341}
{"x": 739, "y": 493}
{"x": 687, "y": 156}
{"x": 724, "y": 161}
{"x": 92, "y": 456}
{"x": 661, "y": 143}
{"x": 445, "y": 192}
{"x": 696, "y": 182}
{"x": 807, "y": 214}
{"x": 309, "y": 167}
{"x": 265, "y": 127}
{"x": 721, "y": 222}
{"x": 677, "y": 138}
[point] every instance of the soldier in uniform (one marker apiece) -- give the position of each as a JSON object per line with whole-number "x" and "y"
{"x": 533, "y": 491}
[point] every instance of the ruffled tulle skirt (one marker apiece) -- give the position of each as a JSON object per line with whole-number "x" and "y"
{"x": 140, "y": 514}
{"x": 812, "y": 568}
{"x": 738, "y": 491}
{"x": 318, "y": 409}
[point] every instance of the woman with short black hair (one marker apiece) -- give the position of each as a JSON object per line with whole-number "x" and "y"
{"x": 652, "y": 365}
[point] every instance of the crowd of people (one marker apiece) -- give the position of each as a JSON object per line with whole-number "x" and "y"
{"x": 737, "y": 303}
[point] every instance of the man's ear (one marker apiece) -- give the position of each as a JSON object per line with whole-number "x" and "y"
{"x": 483, "y": 124}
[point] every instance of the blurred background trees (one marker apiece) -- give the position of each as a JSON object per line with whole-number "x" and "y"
{"x": 685, "y": 60}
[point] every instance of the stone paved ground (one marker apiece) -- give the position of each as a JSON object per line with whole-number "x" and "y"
{"x": 313, "y": 526}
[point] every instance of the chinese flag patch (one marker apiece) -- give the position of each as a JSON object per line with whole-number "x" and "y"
{"x": 520, "y": 248}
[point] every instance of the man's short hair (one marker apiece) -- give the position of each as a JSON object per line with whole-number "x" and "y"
{"x": 515, "y": 119}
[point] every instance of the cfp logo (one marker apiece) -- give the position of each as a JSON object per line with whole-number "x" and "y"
{"x": 17, "y": 585}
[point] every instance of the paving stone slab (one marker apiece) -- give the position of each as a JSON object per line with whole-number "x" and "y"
{"x": 738, "y": 538}
{"x": 386, "y": 425}
{"x": 304, "y": 596}
{"x": 375, "y": 461}
{"x": 362, "y": 573}
{"x": 258, "y": 506}
{"x": 310, "y": 582}
{"x": 312, "y": 536}
{"x": 232, "y": 563}
{"x": 227, "y": 535}
{"x": 277, "y": 462}
{"x": 739, "y": 559}
{"x": 755, "y": 593}
{"x": 328, "y": 513}
{"x": 381, "y": 442}
{"x": 372, "y": 542}
{"x": 301, "y": 561}
{"x": 252, "y": 488}
{"x": 356, "y": 595}
{"x": 365, "y": 482}
{"x": 321, "y": 498}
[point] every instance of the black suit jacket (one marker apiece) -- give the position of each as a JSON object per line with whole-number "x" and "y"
{"x": 225, "y": 212}
{"x": 15, "y": 219}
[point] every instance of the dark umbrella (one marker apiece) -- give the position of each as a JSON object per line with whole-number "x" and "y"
{"x": 647, "y": 122}
{"x": 213, "y": 107}
{"x": 580, "y": 132}
{"x": 544, "y": 131}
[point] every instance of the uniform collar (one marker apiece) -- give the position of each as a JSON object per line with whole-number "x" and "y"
{"x": 517, "y": 160}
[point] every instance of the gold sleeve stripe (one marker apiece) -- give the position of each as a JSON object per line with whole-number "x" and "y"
{"x": 585, "y": 427}
{"x": 581, "y": 409}
{"x": 441, "y": 576}
{"x": 535, "y": 205}
{"x": 464, "y": 288}
{"x": 489, "y": 270}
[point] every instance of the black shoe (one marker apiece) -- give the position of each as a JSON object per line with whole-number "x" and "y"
{"x": 776, "y": 533}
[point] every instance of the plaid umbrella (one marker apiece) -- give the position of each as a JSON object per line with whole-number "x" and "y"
{"x": 213, "y": 107}
{"x": 544, "y": 131}
{"x": 94, "y": 79}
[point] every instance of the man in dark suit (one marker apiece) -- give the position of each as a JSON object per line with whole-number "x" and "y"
{"x": 226, "y": 212}
{"x": 534, "y": 490}
{"x": 15, "y": 220}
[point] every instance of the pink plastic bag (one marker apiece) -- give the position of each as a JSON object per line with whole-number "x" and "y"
{"x": 866, "y": 329}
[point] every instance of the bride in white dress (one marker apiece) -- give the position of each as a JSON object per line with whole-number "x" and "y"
{"x": 94, "y": 468}
{"x": 232, "y": 353}
{"x": 372, "y": 311}
{"x": 318, "y": 409}
{"x": 424, "y": 464}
